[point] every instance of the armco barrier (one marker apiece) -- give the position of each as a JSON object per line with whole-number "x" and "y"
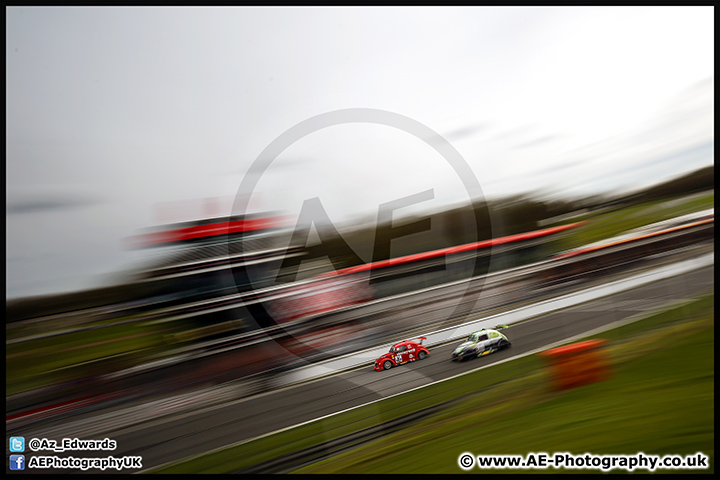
{"x": 619, "y": 255}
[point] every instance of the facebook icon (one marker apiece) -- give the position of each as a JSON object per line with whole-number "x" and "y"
{"x": 17, "y": 462}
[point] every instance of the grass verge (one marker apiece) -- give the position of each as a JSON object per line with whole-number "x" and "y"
{"x": 63, "y": 358}
{"x": 607, "y": 225}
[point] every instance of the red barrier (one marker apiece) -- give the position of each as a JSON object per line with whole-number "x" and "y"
{"x": 520, "y": 237}
{"x": 578, "y": 364}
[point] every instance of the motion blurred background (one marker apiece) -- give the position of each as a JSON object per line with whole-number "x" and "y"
{"x": 130, "y": 130}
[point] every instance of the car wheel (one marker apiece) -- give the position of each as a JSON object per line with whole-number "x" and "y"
{"x": 387, "y": 365}
{"x": 422, "y": 355}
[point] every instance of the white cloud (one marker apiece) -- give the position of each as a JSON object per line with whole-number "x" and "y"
{"x": 147, "y": 105}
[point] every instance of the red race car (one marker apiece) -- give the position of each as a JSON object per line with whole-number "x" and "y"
{"x": 402, "y": 352}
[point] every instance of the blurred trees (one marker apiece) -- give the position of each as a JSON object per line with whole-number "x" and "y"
{"x": 697, "y": 181}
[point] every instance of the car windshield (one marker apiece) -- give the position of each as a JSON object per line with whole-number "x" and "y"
{"x": 392, "y": 349}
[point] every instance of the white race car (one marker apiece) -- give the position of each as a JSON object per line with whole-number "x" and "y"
{"x": 482, "y": 342}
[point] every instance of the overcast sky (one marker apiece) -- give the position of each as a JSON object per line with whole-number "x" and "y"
{"x": 121, "y": 118}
